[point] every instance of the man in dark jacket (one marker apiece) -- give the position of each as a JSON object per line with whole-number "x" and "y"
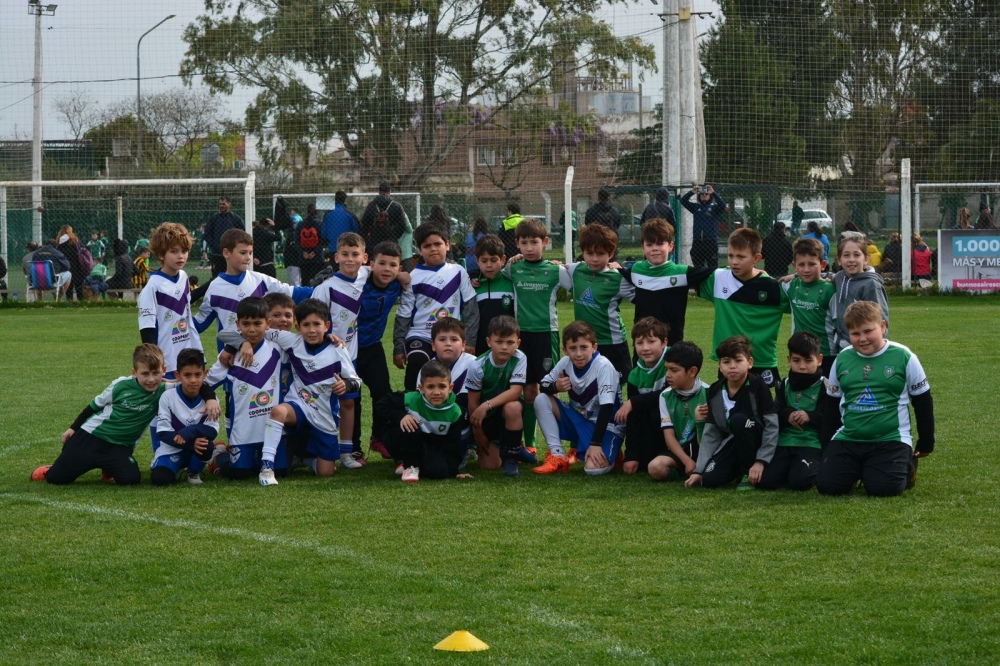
{"x": 384, "y": 219}
{"x": 705, "y": 237}
{"x": 217, "y": 225}
{"x": 660, "y": 207}
{"x": 777, "y": 252}
{"x": 603, "y": 212}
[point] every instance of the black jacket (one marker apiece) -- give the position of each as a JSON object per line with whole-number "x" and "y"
{"x": 777, "y": 251}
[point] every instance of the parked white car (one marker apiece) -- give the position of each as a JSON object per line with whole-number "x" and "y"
{"x": 820, "y": 217}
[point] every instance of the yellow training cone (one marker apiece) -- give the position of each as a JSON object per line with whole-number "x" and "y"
{"x": 462, "y": 641}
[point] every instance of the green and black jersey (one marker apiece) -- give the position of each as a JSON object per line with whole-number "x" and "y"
{"x": 753, "y": 308}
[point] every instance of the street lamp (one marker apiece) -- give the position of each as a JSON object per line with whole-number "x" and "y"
{"x": 138, "y": 93}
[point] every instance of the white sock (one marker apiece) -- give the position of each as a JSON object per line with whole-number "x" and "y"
{"x": 549, "y": 424}
{"x": 272, "y": 437}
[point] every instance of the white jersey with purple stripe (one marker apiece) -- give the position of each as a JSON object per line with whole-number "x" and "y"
{"x": 225, "y": 293}
{"x": 343, "y": 296}
{"x": 176, "y": 412}
{"x": 255, "y": 390}
{"x": 434, "y": 293}
{"x": 459, "y": 372}
{"x": 313, "y": 373}
{"x": 165, "y": 305}
{"x": 595, "y": 385}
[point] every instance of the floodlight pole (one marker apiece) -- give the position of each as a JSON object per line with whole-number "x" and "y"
{"x": 138, "y": 95}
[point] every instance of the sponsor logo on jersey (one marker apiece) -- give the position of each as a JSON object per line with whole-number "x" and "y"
{"x": 262, "y": 399}
{"x": 588, "y": 296}
{"x": 308, "y": 397}
{"x": 866, "y": 402}
{"x": 441, "y": 313}
{"x": 867, "y": 370}
{"x": 180, "y": 328}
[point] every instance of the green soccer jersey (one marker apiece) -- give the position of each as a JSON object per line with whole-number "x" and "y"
{"x": 433, "y": 420}
{"x": 678, "y": 413}
{"x": 536, "y": 284}
{"x": 648, "y": 380}
{"x": 124, "y": 411}
{"x": 752, "y": 308}
{"x": 810, "y": 305}
{"x": 874, "y": 393}
{"x": 596, "y": 300}
{"x": 490, "y": 380}
{"x": 806, "y": 401}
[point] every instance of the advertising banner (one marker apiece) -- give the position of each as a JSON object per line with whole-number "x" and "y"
{"x": 969, "y": 260}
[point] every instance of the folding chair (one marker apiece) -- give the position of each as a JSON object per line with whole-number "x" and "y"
{"x": 44, "y": 278}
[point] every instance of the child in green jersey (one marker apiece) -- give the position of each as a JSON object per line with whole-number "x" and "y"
{"x": 495, "y": 383}
{"x": 639, "y": 413}
{"x": 105, "y": 433}
{"x": 741, "y": 430}
{"x": 425, "y": 432}
{"x": 747, "y": 302}
{"x": 536, "y": 285}
{"x": 809, "y": 296}
{"x": 801, "y": 402}
{"x": 874, "y": 382}
{"x": 494, "y": 291}
{"x": 683, "y": 411}
{"x": 598, "y": 292}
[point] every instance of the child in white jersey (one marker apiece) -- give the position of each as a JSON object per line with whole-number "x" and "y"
{"x": 594, "y": 397}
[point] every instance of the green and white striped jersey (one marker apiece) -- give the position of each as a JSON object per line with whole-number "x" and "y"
{"x": 596, "y": 300}
{"x": 648, "y": 380}
{"x": 752, "y": 308}
{"x": 490, "y": 380}
{"x": 124, "y": 411}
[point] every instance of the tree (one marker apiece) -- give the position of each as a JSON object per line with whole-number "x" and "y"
{"x": 391, "y": 79}
{"x": 79, "y": 110}
{"x": 750, "y": 119}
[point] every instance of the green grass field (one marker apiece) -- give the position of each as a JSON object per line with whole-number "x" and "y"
{"x": 363, "y": 569}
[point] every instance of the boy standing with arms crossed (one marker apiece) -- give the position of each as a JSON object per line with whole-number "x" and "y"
{"x": 747, "y": 302}
{"x": 438, "y": 290}
{"x": 875, "y": 381}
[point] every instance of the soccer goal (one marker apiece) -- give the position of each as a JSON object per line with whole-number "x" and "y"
{"x": 113, "y": 208}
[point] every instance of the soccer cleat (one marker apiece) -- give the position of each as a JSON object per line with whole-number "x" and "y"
{"x": 376, "y": 446}
{"x": 39, "y": 473}
{"x": 107, "y": 478}
{"x": 553, "y": 465}
{"x": 744, "y": 483}
{"x": 348, "y": 462}
{"x": 266, "y": 475}
{"x": 360, "y": 457}
{"x": 510, "y": 467}
{"x": 571, "y": 458}
{"x": 220, "y": 456}
{"x": 194, "y": 478}
{"x": 399, "y": 469}
{"x": 527, "y": 455}
{"x": 411, "y": 474}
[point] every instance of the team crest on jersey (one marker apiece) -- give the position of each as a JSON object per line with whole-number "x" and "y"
{"x": 243, "y": 389}
{"x": 547, "y": 364}
{"x": 673, "y": 282}
{"x": 262, "y": 399}
{"x": 234, "y": 454}
{"x": 888, "y": 371}
{"x": 232, "y": 317}
{"x": 507, "y": 300}
{"x": 168, "y": 315}
{"x": 344, "y": 314}
{"x": 175, "y": 457}
{"x": 761, "y": 296}
{"x": 767, "y": 376}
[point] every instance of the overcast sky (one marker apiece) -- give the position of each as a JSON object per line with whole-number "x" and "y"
{"x": 90, "y": 45}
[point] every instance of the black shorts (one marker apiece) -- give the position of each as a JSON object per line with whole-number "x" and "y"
{"x": 493, "y": 425}
{"x": 542, "y": 350}
{"x": 418, "y": 352}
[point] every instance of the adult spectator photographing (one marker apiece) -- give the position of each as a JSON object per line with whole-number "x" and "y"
{"x": 706, "y": 210}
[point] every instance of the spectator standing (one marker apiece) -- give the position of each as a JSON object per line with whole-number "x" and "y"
{"x": 506, "y": 231}
{"x": 705, "y": 236}
{"x": 264, "y": 238}
{"x": 217, "y": 225}
{"x": 817, "y": 233}
{"x": 797, "y": 216}
{"x": 337, "y": 221}
{"x": 920, "y": 260}
{"x": 603, "y": 212}
{"x": 985, "y": 220}
{"x": 96, "y": 247}
{"x": 777, "y": 251}
{"x": 293, "y": 253}
{"x": 892, "y": 256}
{"x": 69, "y": 245}
{"x": 385, "y": 220}
{"x": 124, "y": 268}
{"x": 479, "y": 229}
{"x": 660, "y": 207}
{"x": 964, "y": 219}
{"x": 312, "y": 253}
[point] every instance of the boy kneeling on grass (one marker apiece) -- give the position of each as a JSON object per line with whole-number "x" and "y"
{"x": 586, "y": 420}
{"x": 874, "y": 382}
{"x": 742, "y": 428}
{"x": 105, "y": 433}
{"x": 424, "y": 428}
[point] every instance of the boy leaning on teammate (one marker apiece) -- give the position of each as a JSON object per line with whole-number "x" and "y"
{"x": 495, "y": 385}
{"x": 185, "y": 432}
{"x": 801, "y": 401}
{"x": 437, "y": 290}
{"x": 741, "y": 430}
{"x": 592, "y": 383}
{"x": 598, "y": 292}
{"x": 639, "y": 413}
{"x": 683, "y": 412}
{"x": 747, "y": 302}
{"x": 874, "y": 383}
{"x": 105, "y": 433}
{"x": 536, "y": 285}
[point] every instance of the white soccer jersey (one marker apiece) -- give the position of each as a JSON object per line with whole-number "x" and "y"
{"x": 459, "y": 372}
{"x": 255, "y": 390}
{"x": 595, "y": 385}
{"x": 226, "y": 291}
{"x": 434, "y": 293}
{"x": 343, "y": 295}
{"x": 177, "y": 412}
{"x": 313, "y": 376}
{"x": 165, "y": 305}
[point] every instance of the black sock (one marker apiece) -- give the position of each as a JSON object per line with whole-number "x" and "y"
{"x": 510, "y": 443}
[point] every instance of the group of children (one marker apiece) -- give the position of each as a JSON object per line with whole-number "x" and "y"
{"x": 483, "y": 368}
